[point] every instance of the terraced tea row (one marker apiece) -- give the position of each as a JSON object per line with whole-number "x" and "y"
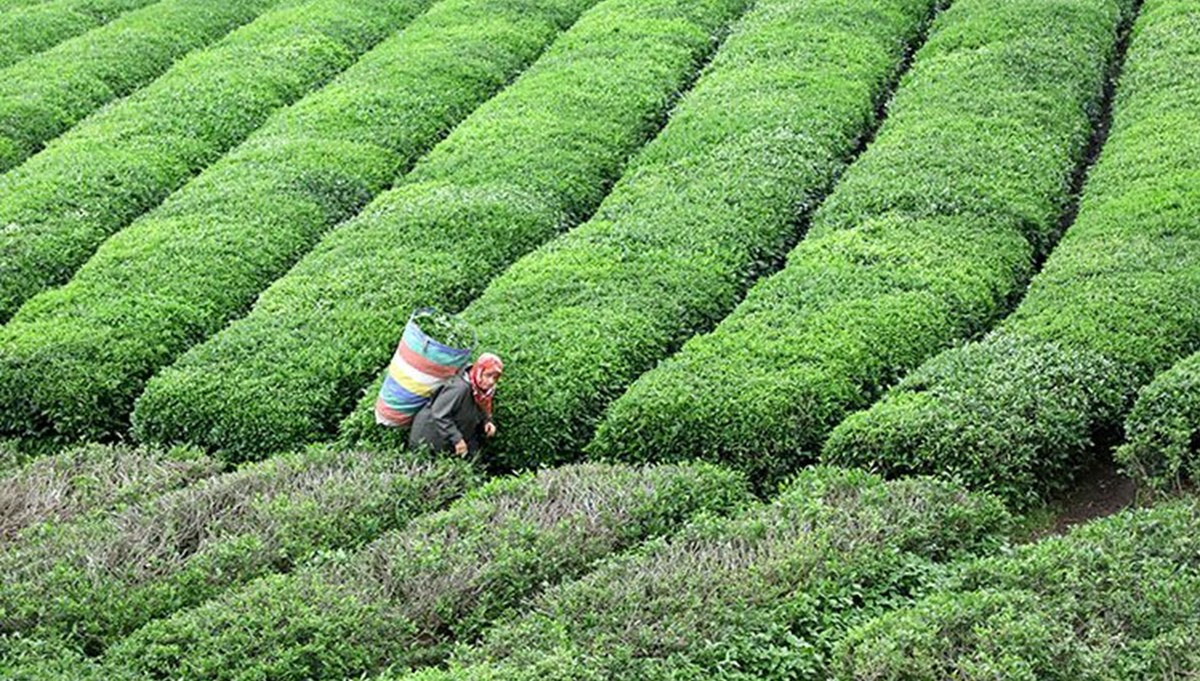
{"x": 925, "y": 241}
{"x": 179, "y": 273}
{"x": 761, "y": 596}
{"x": 93, "y": 478}
{"x": 509, "y": 177}
{"x": 113, "y": 167}
{"x": 1020, "y": 411}
{"x": 44, "y": 95}
{"x": 705, "y": 207}
{"x": 403, "y": 600}
{"x": 1114, "y": 600}
{"x": 32, "y": 29}
{"x": 97, "y": 580}
{"x": 1161, "y": 431}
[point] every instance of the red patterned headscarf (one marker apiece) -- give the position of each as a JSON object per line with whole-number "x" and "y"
{"x": 483, "y": 397}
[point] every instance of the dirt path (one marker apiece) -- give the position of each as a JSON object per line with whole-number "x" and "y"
{"x": 1099, "y": 492}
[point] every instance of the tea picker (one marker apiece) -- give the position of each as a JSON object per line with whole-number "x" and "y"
{"x": 430, "y": 387}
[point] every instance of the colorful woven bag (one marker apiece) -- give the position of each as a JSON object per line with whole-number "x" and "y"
{"x": 418, "y": 368}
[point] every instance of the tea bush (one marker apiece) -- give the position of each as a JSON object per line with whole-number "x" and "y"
{"x": 178, "y": 274}
{"x": 762, "y": 596}
{"x": 507, "y": 178}
{"x": 126, "y": 159}
{"x": 446, "y": 577}
{"x": 102, "y": 577}
{"x": 93, "y": 478}
{"x": 1115, "y": 599}
{"x": 1162, "y": 431}
{"x": 44, "y": 95}
{"x": 29, "y": 30}
{"x": 1020, "y": 411}
{"x": 927, "y": 239}
{"x": 705, "y": 207}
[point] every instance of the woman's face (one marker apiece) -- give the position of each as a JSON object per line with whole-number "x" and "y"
{"x": 488, "y": 378}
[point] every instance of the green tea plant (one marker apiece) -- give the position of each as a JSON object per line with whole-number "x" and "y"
{"x": 92, "y": 478}
{"x": 246, "y": 219}
{"x": 1114, "y": 599}
{"x": 762, "y": 596}
{"x": 6, "y": 5}
{"x": 32, "y": 29}
{"x": 710, "y": 204}
{"x": 405, "y": 598}
{"x": 507, "y": 178}
{"x": 1162, "y": 433}
{"x": 927, "y": 239}
{"x": 126, "y": 159}
{"x": 99, "y": 579}
{"x": 1020, "y": 411}
{"x": 450, "y": 330}
{"x": 44, "y": 95}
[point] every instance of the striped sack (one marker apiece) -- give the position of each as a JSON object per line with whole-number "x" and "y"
{"x": 419, "y": 367}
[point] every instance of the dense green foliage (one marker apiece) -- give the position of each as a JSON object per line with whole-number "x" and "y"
{"x": 1021, "y": 410}
{"x": 6, "y": 5}
{"x": 139, "y": 302}
{"x": 702, "y": 210}
{"x": 29, "y": 30}
{"x": 511, "y": 175}
{"x": 131, "y": 155}
{"x": 405, "y": 598}
{"x": 93, "y": 478}
{"x": 759, "y": 597}
{"x": 44, "y": 95}
{"x": 102, "y": 577}
{"x": 926, "y": 239}
{"x": 1162, "y": 431}
{"x": 1115, "y": 599}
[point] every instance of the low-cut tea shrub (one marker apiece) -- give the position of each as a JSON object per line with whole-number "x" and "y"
{"x": 1022, "y": 410}
{"x": 445, "y": 578}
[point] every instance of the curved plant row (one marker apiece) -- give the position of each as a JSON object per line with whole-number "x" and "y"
{"x": 404, "y": 599}
{"x": 7, "y": 5}
{"x": 44, "y": 95}
{"x": 509, "y": 177}
{"x": 701, "y": 211}
{"x": 761, "y": 596}
{"x": 29, "y": 30}
{"x": 93, "y": 478}
{"x": 1162, "y": 431}
{"x": 178, "y": 274}
{"x": 1021, "y": 410}
{"x": 926, "y": 239}
{"x": 1114, "y": 600}
{"x": 98, "y": 579}
{"x": 117, "y": 164}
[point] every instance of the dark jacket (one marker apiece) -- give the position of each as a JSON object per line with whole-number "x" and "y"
{"x": 450, "y": 416}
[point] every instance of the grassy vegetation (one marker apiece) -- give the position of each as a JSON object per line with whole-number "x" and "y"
{"x": 927, "y": 239}
{"x": 126, "y": 159}
{"x": 408, "y": 596}
{"x": 44, "y": 95}
{"x": 98, "y": 579}
{"x": 1115, "y": 599}
{"x": 705, "y": 208}
{"x": 1021, "y": 411}
{"x": 507, "y": 178}
{"x": 136, "y": 305}
{"x": 762, "y": 596}
{"x": 92, "y": 478}
{"x": 29, "y": 30}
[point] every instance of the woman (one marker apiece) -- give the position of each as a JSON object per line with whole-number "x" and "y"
{"x": 460, "y": 414}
